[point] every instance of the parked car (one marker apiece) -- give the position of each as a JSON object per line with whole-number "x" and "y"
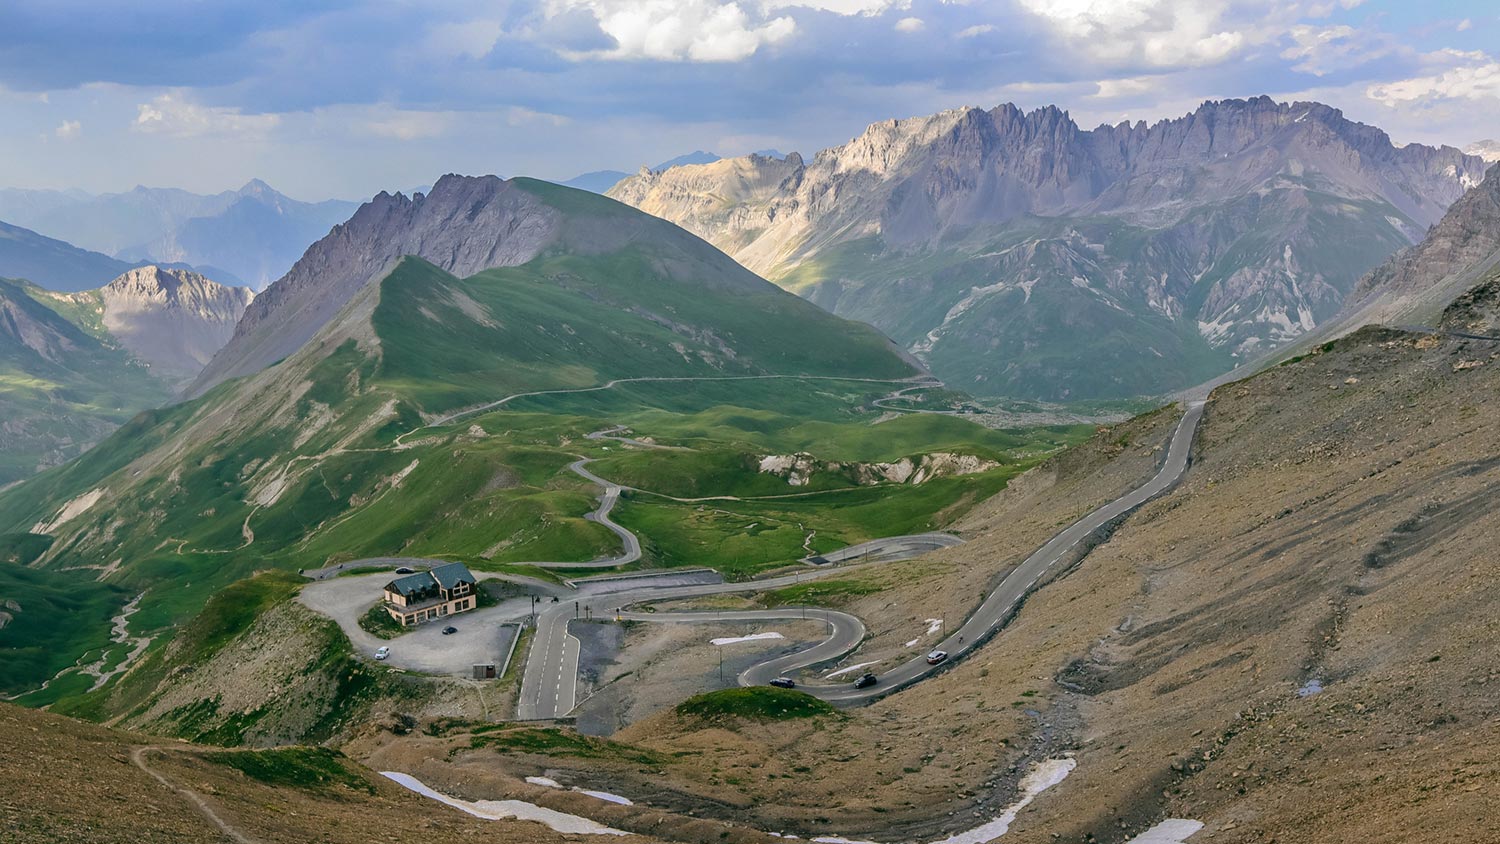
{"x": 449, "y": 631}
{"x": 936, "y": 656}
{"x": 784, "y": 683}
{"x": 865, "y": 681}
{"x": 382, "y": 652}
{"x": 405, "y": 570}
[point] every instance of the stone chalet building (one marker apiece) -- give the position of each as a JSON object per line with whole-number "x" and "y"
{"x": 427, "y": 595}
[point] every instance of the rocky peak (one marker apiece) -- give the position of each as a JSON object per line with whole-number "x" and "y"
{"x": 152, "y": 286}
{"x": 258, "y": 188}
{"x": 1465, "y": 243}
{"x": 463, "y": 225}
{"x": 1488, "y": 149}
{"x": 173, "y": 320}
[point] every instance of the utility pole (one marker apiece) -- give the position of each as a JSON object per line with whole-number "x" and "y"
{"x": 721, "y": 664}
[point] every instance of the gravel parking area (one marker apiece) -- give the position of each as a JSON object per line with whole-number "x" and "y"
{"x": 482, "y": 636}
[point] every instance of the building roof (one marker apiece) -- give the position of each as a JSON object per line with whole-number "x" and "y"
{"x": 452, "y": 574}
{"x": 447, "y": 576}
{"x": 410, "y": 583}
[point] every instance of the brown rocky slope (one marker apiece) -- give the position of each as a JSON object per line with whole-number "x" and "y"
{"x": 1294, "y": 645}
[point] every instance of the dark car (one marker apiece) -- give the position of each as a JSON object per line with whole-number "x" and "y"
{"x": 449, "y": 631}
{"x": 784, "y": 683}
{"x": 865, "y": 681}
{"x": 936, "y": 656}
{"x": 404, "y": 570}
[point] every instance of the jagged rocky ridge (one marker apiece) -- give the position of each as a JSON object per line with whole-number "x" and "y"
{"x": 172, "y": 320}
{"x": 1019, "y": 254}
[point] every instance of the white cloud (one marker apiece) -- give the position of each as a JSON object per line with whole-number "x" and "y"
{"x": 1110, "y": 89}
{"x": 1465, "y": 25}
{"x": 1159, "y": 33}
{"x": 474, "y": 39}
{"x": 679, "y": 30}
{"x": 68, "y": 130}
{"x": 1323, "y": 50}
{"x": 521, "y": 116}
{"x": 402, "y": 125}
{"x": 841, "y": 7}
{"x": 170, "y": 114}
{"x": 976, "y": 30}
{"x": 1470, "y": 76}
{"x": 910, "y": 25}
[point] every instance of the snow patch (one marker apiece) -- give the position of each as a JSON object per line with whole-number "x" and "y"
{"x": 848, "y": 670}
{"x": 606, "y": 796}
{"x": 1042, "y": 776}
{"x": 934, "y": 625}
{"x": 548, "y": 782}
{"x": 497, "y": 810}
{"x": 753, "y": 637}
{"x": 1169, "y": 831}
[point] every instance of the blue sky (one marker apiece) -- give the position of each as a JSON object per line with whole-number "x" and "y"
{"x": 344, "y": 98}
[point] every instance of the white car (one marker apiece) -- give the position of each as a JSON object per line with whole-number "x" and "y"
{"x": 382, "y": 652}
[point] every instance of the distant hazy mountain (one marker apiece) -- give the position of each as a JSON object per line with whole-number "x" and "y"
{"x": 74, "y": 366}
{"x": 252, "y": 235}
{"x": 64, "y": 267}
{"x": 1489, "y": 150}
{"x": 1021, "y": 255}
{"x": 600, "y": 181}
{"x": 52, "y": 263}
{"x": 257, "y": 237}
{"x": 109, "y": 222}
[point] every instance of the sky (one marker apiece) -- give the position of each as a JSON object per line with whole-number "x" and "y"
{"x": 342, "y": 98}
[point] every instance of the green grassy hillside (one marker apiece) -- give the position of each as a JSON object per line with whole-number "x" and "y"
{"x": 325, "y": 456}
{"x": 63, "y": 384}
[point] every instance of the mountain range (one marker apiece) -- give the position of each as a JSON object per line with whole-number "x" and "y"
{"x": 1019, "y": 255}
{"x": 415, "y": 308}
{"x": 600, "y": 181}
{"x": 251, "y": 235}
{"x": 1297, "y": 624}
{"x": 75, "y": 365}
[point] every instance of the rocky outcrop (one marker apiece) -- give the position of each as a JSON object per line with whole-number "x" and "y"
{"x": 172, "y": 320}
{"x": 1004, "y": 246}
{"x": 798, "y": 469}
{"x": 1457, "y": 254}
{"x": 1477, "y": 311}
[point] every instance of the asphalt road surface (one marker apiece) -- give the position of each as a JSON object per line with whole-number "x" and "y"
{"x": 549, "y": 685}
{"x": 845, "y": 633}
{"x": 998, "y": 605}
{"x": 890, "y": 548}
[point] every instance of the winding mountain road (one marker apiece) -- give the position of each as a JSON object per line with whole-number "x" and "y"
{"x": 985, "y": 621}
{"x": 549, "y": 685}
